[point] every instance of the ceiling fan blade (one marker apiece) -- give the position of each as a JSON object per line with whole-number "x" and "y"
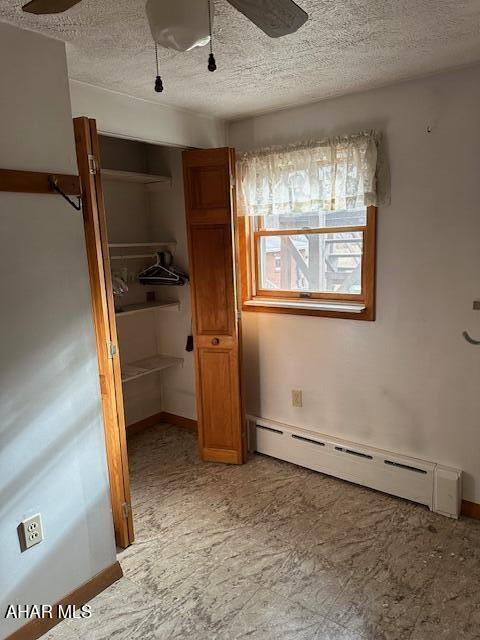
{"x": 41, "y": 7}
{"x": 276, "y": 18}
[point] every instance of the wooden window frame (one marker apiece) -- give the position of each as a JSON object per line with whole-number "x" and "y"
{"x": 248, "y": 243}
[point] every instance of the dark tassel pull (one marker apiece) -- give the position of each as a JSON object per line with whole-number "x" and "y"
{"x": 189, "y": 345}
{"x": 158, "y": 80}
{"x": 212, "y": 65}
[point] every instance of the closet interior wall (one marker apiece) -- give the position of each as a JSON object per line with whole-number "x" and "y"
{"x": 141, "y": 212}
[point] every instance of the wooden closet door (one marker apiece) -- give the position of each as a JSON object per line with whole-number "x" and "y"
{"x": 88, "y": 159}
{"x": 210, "y": 199}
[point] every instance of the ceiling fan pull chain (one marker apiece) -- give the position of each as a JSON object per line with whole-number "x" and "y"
{"x": 158, "y": 80}
{"x": 212, "y": 65}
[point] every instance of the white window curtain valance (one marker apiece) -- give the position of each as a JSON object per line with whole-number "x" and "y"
{"x": 334, "y": 174}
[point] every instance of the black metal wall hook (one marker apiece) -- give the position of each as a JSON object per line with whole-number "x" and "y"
{"x": 53, "y": 182}
{"x": 469, "y": 339}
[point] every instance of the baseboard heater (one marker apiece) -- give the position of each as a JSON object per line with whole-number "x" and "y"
{"x": 434, "y": 485}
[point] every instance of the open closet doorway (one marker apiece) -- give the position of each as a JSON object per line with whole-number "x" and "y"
{"x": 160, "y": 241}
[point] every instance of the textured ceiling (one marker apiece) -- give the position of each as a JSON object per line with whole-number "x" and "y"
{"x": 346, "y": 46}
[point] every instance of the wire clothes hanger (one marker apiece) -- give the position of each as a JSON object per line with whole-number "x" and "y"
{"x": 163, "y": 272}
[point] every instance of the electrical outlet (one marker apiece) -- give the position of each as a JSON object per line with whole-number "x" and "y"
{"x": 31, "y": 531}
{"x": 476, "y": 305}
{"x": 297, "y": 398}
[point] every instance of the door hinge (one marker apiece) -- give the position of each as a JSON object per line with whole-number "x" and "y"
{"x": 92, "y": 164}
{"x": 239, "y": 315}
{"x": 111, "y": 350}
{"x": 126, "y": 509}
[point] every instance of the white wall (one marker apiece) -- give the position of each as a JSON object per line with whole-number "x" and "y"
{"x": 407, "y": 382}
{"x": 128, "y": 117}
{"x": 52, "y": 453}
{"x": 169, "y": 221}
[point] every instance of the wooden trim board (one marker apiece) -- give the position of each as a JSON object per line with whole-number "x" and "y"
{"x": 470, "y": 509}
{"x": 179, "y": 421}
{"x": 103, "y": 312}
{"x": 136, "y": 427}
{"x": 162, "y": 417}
{"x": 121, "y": 434}
{"x": 37, "y": 182}
{"x": 36, "y": 628}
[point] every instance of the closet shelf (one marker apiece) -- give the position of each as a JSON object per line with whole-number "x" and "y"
{"x": 138, "y": 245}
{"x": 164, "y": 244}
{"x": 134, "y": 256}
{"x": 139, "y": 249}
{"x": 147, "y": 306}
{"x": 148, "y": 179}
{"x": 140, "y": 368}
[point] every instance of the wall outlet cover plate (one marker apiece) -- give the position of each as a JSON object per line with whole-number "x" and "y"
{"x": 297, "y": 400}
{"x": 30, "y": 531}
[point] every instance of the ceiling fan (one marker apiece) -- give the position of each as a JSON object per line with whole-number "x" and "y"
{"x": 185, "y": 24}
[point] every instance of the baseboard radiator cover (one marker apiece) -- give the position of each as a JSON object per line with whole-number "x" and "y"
{"x": 435, "y": 485}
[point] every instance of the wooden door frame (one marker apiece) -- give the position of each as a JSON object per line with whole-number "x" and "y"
{"x": 96, "y": 243}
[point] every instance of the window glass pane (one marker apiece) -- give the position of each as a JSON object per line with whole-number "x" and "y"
{"x": 317, "y": 262}
{"x": 315, "y": 220}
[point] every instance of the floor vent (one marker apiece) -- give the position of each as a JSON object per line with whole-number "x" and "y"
{"x": 429, "y": 483}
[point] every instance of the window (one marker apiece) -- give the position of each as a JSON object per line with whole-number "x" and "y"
{"x": 314, "y": 263}
{"x": 307, "y": 225}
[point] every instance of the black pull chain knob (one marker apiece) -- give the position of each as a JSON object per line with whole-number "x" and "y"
{"x": 158, "y": 80}
{"x": 212, "y": 65}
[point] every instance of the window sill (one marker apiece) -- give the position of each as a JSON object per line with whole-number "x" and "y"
{"x": 334, "y": 309}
